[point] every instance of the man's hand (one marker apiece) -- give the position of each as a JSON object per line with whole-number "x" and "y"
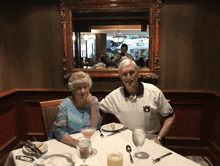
{"x": 158, "y": 141}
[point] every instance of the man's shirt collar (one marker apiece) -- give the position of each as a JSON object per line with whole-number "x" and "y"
{"x": 139, "y": 92}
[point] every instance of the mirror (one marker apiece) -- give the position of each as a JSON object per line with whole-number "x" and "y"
{"x": 80, "y": 16}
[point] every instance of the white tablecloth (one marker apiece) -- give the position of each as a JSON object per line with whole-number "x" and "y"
{"x": 106, "y": 145}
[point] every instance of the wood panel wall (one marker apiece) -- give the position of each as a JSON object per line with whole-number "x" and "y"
{"x": 195, "y": 130}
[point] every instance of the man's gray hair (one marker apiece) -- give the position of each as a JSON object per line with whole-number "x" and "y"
{"x": 79, "y": 77}
{"x": 125, "y": 63}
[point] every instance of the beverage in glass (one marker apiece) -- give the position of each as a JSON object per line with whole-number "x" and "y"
{"x": 88, "y": 131}
{"x": 138, "y": 137}
{"x": 83, "y": 148}
{"x": 115, "y": 159}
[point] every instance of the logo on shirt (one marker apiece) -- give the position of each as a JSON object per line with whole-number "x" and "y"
{"x": 146, "y": 109}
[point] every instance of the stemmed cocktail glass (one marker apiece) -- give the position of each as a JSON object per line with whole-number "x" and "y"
{"x": 88, "y": 131}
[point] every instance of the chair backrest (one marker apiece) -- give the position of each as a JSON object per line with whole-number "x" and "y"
{"x": 49, "y": 111}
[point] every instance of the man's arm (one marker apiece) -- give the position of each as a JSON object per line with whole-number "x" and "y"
{"x": 116, "y": 58}
{"x": 165, "y": 128}
{"x": 106, "y": 104}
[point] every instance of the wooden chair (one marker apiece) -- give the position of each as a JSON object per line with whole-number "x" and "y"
{"x": 49, "y": 111}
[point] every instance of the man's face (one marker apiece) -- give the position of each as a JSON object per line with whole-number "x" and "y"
{"x": 129, "y": 76}
{"x": 123, "y": 50}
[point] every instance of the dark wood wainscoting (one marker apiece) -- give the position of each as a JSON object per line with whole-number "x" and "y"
{"x": 194, "y": 132}
{"x": 197, "y": 125}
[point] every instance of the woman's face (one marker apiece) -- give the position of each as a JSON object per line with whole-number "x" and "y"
{"x": 81, "y": 91}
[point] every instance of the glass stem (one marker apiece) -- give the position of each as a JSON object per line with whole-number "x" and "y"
{"x": 84, "y": 160}
{"x": 137, "y": 150}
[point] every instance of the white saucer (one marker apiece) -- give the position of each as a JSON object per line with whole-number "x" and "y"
{"x": 107, "y": 127}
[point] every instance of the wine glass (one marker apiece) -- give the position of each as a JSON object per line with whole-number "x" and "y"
{"x": 138, "y": 137}
{"x": 83, "y": 148}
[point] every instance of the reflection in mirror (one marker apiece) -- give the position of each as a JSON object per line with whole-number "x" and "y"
{"x": 84, "y": 50}
{"x": 112, "y": 38}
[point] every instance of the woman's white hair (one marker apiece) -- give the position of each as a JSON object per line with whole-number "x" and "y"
{"x": 125, "y": 63}
{"x": 79, "y": 77}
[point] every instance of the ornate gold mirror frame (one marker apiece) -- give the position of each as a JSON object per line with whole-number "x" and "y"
{"x": 154, "y": 6}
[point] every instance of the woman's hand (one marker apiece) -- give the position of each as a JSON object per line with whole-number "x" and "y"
{"x": 67, "y": 139}
{"x": 90, "y": 99}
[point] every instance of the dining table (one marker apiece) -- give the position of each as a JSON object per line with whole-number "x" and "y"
{"x": 115, "y": 141}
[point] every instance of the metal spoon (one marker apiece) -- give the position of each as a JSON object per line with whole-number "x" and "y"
{"x": 128, "y": 149}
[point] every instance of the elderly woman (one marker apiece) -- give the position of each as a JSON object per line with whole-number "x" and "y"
{"x": 76, "y": 111}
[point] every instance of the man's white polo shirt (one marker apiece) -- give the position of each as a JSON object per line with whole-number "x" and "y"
{"x": 144, "y": 110}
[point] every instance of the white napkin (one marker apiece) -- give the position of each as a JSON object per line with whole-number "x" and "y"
{"x": 56, "y": 160}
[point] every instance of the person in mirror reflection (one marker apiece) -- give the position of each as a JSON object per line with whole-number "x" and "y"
{"x": 124, "y": 48}
{"x": 141, "y": 62}
{"x": 102, "y": 63}
{"x": 137, "y": 104}
{"x": 76, "y": 111}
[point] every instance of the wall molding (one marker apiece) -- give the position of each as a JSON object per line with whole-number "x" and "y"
{"x": 13, "y": 139}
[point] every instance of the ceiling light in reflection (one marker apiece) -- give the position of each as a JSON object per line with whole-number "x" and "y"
{"x": 113, "y": 5}
{"x": 118, "y": 38}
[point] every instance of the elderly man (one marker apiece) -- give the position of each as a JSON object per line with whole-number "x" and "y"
{"x": 137, "y": 104}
